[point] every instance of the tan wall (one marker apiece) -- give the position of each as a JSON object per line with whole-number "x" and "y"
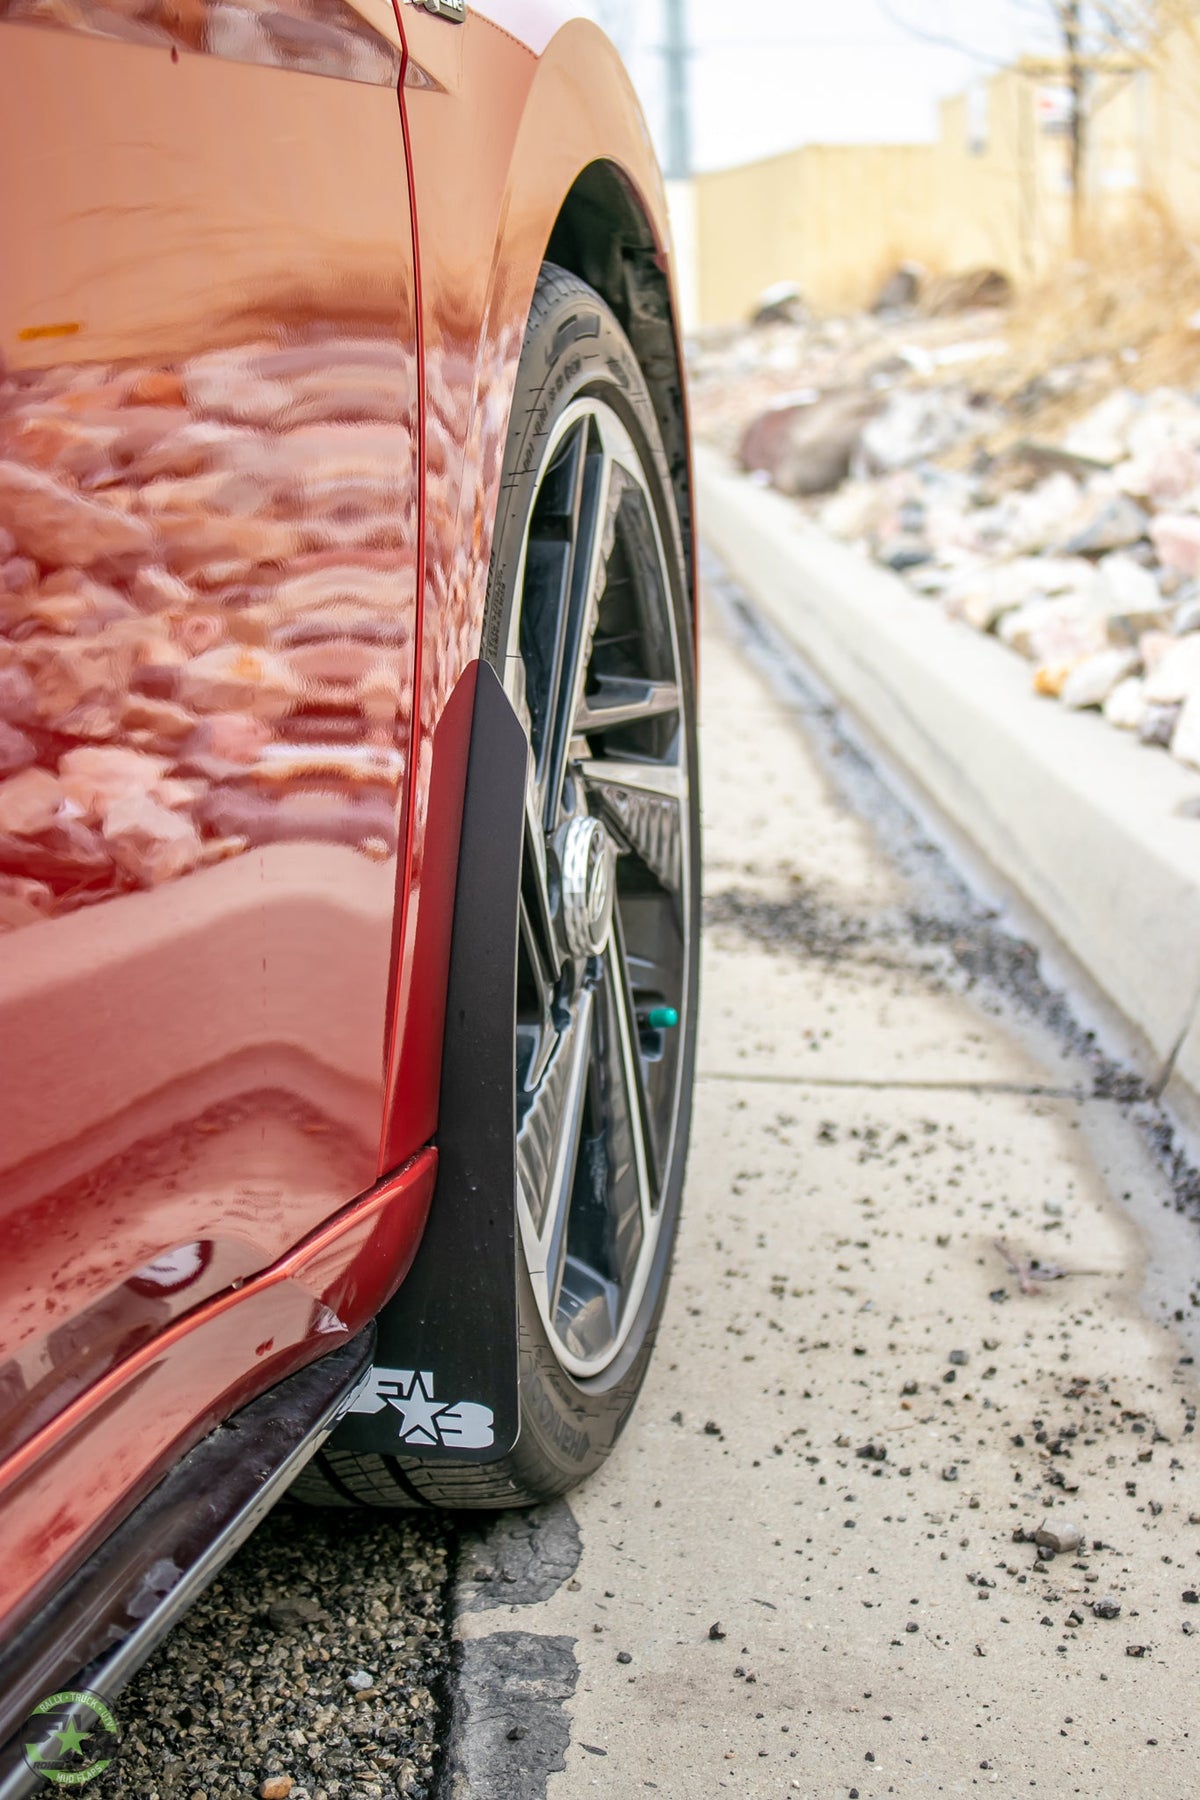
{"x": 836, "y": 219}
{"x": 1173, "y": 153}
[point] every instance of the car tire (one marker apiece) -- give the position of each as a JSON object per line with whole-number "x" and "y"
{"x": 588, "y": 623}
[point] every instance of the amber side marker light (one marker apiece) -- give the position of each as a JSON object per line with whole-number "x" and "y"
{"x": 29, "y": 333}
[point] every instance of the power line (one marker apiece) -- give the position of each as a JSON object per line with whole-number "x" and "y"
{"x": 938, "y": 38}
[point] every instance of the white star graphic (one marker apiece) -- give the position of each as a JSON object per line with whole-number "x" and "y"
{"x": 418, "y": 1410}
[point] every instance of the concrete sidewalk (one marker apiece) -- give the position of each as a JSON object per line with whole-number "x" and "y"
{"x": 1091, "y": 830}
{"x": 772, "y": 1590}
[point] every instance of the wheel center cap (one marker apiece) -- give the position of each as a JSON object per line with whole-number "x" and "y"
{"x": 586, "y": 861}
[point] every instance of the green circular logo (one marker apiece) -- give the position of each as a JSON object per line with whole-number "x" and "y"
{"x": 71, "y": 1738}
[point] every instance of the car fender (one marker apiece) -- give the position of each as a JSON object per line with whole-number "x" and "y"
{"x": 503, "y": 115}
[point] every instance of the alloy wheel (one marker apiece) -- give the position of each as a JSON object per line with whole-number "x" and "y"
{"x": 592, "y": 665}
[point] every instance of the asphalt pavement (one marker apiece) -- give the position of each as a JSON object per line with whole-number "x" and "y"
{"x": 923, "y": 1308}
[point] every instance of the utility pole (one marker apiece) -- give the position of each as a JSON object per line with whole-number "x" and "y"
{"x": 614, "y": 17}
{"x": 677, "y": 52}
{"x": 1070, "y": 16}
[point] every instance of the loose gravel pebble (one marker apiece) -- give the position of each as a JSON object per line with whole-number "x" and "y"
{"x": 313, "y": 1667}
{"x": 1059, "y": 1535}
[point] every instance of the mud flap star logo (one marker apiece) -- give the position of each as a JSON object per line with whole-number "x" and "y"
{"x": 425, "y": 1423}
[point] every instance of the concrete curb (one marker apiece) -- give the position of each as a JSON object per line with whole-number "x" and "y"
{"x": 1079, "y": 821}
{"x": 508, "y": 1728}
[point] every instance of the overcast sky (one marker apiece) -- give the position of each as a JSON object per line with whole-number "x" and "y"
{"x": 770, "y": 74}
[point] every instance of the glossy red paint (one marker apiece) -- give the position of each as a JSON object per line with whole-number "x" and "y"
{"x": 100, "y": 1454}
{"x": 504, "y": 113}
{"x": 266, "y": 278}
{"x": 209, "y": 451}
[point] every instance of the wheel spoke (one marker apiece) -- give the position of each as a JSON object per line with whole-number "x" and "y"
{"x": 546, "y": 585}
{"x": 620, "y": 700}
{"x": 592, "y": 1287}
{"x": 631, "y": 1106}
{"x": 644, "y": 802}
{"x": 548, "y": 1140}
{"x": 599, "y": 503}
{"x": 648, "y": 933}
{"x": 610, "y": 773}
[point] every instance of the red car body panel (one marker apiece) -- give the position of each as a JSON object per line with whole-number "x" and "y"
{"x": 67, "y": 1486}
{"x": 259, "y": 326}
{"x": 498, "y": 133}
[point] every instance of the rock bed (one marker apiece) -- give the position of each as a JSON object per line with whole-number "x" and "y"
{"x": 1079, "y": 551}
{"x": 1089, "y": 571}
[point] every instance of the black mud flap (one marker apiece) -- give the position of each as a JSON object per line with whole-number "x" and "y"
{"x": 444, "y": 1384}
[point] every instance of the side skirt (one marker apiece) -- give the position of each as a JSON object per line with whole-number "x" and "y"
{"x": 117, "y": 1608}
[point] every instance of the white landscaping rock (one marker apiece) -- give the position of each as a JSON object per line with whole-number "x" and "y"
{"x": 986, "y": 592}
{"x": 1185, "y": 744}
{"x": 855, "y": 511}
{"x": 983, "y": 594}
{"x": 1059, "y": 633}
{"x": 1045, "y": 515}
{"x": 1110, "y": 522}
{"x": 1130, "y": 595}
{"x": 1186, "y": 616}
{"x": 1126, "y": 705}
{"x": 1176, "y": 677}
{"x": 1092, "y": 681}
{"x": 1176, "y": 537}
{"x": 915, "y": 426}
{"x": 1165, "y": 418}
{"x": 1164, "y": 476}
{"x": 1103, "y": 434}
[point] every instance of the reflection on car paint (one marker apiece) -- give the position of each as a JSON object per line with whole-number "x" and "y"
{"x": 202, "y": 655}
{"x": 208, "y": 524}
{"x": 312, "y": 37}
{"x": 207, "y": 307}
{"x": 199, "y": 652}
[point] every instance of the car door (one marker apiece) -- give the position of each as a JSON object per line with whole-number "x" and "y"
{"x": 208, "y": 544}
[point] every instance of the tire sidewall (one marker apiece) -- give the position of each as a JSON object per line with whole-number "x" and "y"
{"x": 574, "y": 350}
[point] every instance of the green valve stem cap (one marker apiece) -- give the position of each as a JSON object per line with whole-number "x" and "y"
{"x": 663, "y": 1018}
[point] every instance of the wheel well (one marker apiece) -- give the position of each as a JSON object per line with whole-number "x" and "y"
{"x": 603, "y": 236}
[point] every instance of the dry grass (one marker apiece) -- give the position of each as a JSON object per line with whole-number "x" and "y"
{"x": 1125, "y": 311}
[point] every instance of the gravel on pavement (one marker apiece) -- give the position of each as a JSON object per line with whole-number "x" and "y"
{"x": 910, "y": 1503}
